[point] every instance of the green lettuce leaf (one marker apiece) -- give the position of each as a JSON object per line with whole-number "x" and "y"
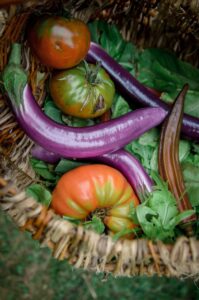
{"x": 158, "y": 214}
{"x": 163, "y": 71}
{"x": 39, "y": 193}
{"x": 95, "y": 224}
{"x": 191, "y": 177}
{"x": 65, "y": 165}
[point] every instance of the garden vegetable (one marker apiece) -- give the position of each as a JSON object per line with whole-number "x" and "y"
{"x": 59, "y": 42}
{"x": 158, "y": 215}
{"x": 131, "y": 168}
{"x": 168, "y": 157}
{"x": 121, "y": 160}
{"x": 135, "y": 91}
{"x": 84, "y": 92}
{"x": 68, "y": 141}
{"x": 95, "y": 189}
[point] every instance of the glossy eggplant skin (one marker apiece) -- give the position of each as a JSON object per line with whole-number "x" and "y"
{"x": 134, "y": 91}
{"x": 66, "y": 141}
{"x": 131, "y": 168}
{"x": 84, "y": 142}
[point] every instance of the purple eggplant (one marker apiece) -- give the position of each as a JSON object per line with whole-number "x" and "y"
{"x": 121, "y": 160}
{"x": 72, "y": 142}
{"x": 133, "y": 90}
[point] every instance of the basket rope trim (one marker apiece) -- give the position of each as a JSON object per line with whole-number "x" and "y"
{"x": 99, "y": 253}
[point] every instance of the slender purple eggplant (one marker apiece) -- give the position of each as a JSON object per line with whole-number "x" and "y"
{"x": 121, "y": 160}
{"x": 71, "y": 142}
{"x": 131, "y": 168}
{"x": 133, "y": 90}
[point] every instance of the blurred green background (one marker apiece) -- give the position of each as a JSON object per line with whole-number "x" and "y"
{"x": 28, "y": 272}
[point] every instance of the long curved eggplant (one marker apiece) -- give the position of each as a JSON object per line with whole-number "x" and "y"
{"x": 121, "y": 160}
{"x": 71, "y": 142}
{"x": 133, "y": 90}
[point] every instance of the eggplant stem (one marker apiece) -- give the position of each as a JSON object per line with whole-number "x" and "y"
{"x": 15, "y": 55}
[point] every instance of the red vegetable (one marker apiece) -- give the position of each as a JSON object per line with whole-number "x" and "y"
{"x": 59, "y": 42}
{"x": 95, "y": 189}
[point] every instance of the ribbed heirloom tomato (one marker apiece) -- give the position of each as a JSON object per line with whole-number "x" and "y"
{"x": 95, "y": 189}
{"x": 59, "y": 42}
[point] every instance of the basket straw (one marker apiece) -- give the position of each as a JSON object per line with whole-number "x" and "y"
{"x": 169, "y": 24}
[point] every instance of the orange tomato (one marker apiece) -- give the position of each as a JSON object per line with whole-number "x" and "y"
{"x": 94, "y": 188}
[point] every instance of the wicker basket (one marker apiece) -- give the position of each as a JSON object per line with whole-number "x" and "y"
{"x": 168, "y": 23}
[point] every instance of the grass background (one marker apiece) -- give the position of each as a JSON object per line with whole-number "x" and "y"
{"x": 28, "y": 272}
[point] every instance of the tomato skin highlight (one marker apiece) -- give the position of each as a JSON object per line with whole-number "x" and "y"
{"x": 86, "y": 189}
{"x": 75, "y": 95}
{"x": 59, "y": 42}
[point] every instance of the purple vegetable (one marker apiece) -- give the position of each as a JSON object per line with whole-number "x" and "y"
{"x": 71, "y": 142}
{"x": 45, "y": 155}
{"x": 121, "y": 160}
{"x": 132, "y": 89}
{"x": 131, "y": 168}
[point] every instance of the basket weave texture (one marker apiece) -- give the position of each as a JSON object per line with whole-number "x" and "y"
{"x": 170, "y": 24}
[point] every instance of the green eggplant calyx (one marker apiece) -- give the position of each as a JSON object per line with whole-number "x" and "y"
{"x": 14, "y": 77}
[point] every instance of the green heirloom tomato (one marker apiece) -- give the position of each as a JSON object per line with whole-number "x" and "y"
{"x": 85, "y": 91}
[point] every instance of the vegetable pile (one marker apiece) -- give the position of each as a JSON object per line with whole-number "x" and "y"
{"x": 107, "y": 145}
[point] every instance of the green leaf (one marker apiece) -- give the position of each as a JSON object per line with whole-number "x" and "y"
{"x": 52, "y": 111}
{"x": 72, "y": 220}
{"x": 119, "y": 107}
{"x": 39, "y": 193}
{"x": 184, "y": 149}
{"x": 191, "y": 178}
{"x": 108, "y": 36}
{"x": 124, "y": 232}
{"x": 154, "y": 160}
{"x": 182, "y": 216}
{"x": 95, "y": 224}
{"x": 14, "y": 76}
{"x": 77, "y": 122}
{"x": 143, "y": 153}
{"x": 43, "y": 169}
{"x": 150, "y": 138}
{"x": 66, "y": 165}
{"x": 162, "y": 70}
{"x": 158, "y": 214}
{"x": 195, "y": 147}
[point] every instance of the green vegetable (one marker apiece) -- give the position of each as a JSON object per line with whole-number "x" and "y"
{"x": 52, "y": 111}
{"x": 191, "y": 177}
{"x": 39, "y": 193}
{"x": 46, "y": 171}
{"x": 66, "y": 165}
{"x": 163, "y": 71}
{"x": 158, "y": 214}
{"x": 95, "y": 224}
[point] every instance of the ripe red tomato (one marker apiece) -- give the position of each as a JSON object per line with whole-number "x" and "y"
{"x": 59, "y": 42}
{"x": 95, "y": 188}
